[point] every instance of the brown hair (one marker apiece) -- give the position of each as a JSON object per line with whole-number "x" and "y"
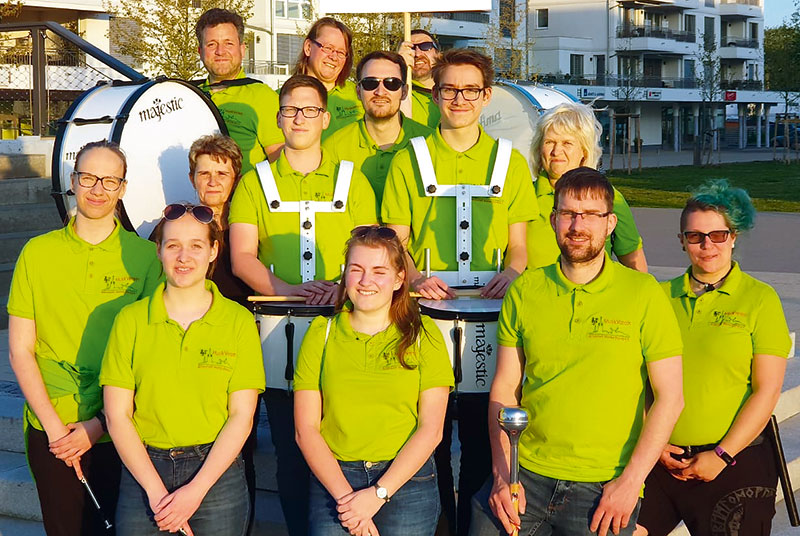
{"x": 304, "y": 80}
{"x": 214, "y": 235}
{"x": 301, "y": 66}
{"x": 220, "y": 148}
{"x": 404, "y": 312}
{"x": 216, "y": 16}
{"x": 104, "y": 144}
{"x": 463, "y": 56}
{"x": 394, "y": 57}
{"x": 584, "y": 182}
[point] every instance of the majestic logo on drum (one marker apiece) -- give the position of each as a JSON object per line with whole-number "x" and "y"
{"x": 160, "y": 109}
{"x": 481, "y": 350}
{"x": 216, "y": 359}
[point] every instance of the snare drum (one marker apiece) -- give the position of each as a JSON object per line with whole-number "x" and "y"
{"x": 469, "y": 327}
{"x": 155, "y": 123}
{"x": 282, "y": 327}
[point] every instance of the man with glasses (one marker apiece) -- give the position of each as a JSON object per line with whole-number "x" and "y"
{"x": 68, "y": 287}
{"x": 582, "y": 371}
{"x": 490, "y": 239}
{"x": 246, "y": 104}
{"x": 373, "y": 141}
{"x": 295, "y": 215}
{"x": 422, "y": 53}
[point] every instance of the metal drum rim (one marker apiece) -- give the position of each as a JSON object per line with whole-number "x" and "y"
{"x": 295, "y": 309}
{"x": 467, "y": 316}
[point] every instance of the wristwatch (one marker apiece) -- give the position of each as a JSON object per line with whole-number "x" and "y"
{"x": 727, "y": 458}
{"x": 382, "y": 493}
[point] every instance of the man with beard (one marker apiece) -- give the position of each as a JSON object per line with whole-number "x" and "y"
{"x": 581, "y": 371}
{"x": 422, "y": 53}
{"x": 374, "y": 139}
{"x": 247, "y": 106}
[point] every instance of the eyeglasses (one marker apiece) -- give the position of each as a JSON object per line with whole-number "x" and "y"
{"x": 201, "y": 213}
{"x": 469, "y": 93}
{"x": 371, "y": 83}
{"x": 364, "y": 231}
{"x": 329, "y": 50}
{"x": 88, "y": 180}
{"x": 696, "y": 237}
{"x": 588, "y": 217}
{"x": 309, "y": 112}
{"x": 426, "y": 46}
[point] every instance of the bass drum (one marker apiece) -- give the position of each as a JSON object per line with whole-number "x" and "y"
{"x": 515, "y": 108}
{"x": 155, "y": 123}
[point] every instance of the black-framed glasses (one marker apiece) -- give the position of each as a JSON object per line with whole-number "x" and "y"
{"x": 309, "y": 112}
{"x": 88, "y": 180}
{"x": 201, "y": 213}
{"x": 329, "y": 50}
{"x": 426, "y": 46}
{"x": 696, "y": 237}
{"x": 371, "y": 83}
{"x": 588, "y": 217}
{"x": 469, "y": 93}
{"x": 363, "y": 231}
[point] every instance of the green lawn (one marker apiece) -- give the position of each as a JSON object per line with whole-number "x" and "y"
{"x": 774, "y": 186}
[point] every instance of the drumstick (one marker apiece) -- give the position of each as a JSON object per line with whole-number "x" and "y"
{"x": 460, "y": 293}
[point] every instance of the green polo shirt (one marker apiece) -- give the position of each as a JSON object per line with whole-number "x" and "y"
{"x": 251, "y": 115}
{"x": 585, "y": 372}
{"x": 369, "y": 400}
{"x": 181, "y": 379}
{"x": 433, "y": 219}
{"x": 354, "y": 143}
{"x": 722, "y": 330}
{"x": 423, "y": 109}
{"x": 279, "y": 232}
{"x": 344, "y": 106}
{"x": 542, "y": 246}
{"x": 72, "y": 290}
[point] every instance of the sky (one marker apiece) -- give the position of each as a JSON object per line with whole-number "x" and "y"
{"x": 775, "y": 11}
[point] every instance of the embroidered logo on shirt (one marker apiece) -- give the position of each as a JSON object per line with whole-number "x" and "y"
{"x": 119, "y": 284}
{"x": 346, "y": 111}
{"x": 610, "y": 328}
{"x": 216, "y": 359}
{"x": 731, "y": 319}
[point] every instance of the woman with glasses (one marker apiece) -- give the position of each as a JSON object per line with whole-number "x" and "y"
{"x": 371, "y": 387}
{"x": 718, "y": 473}
{"x": 567, "y": 137}
{"x": 327, "y": 55}
{"x": 68, "y": 286}
{"x": 181, "y": 376}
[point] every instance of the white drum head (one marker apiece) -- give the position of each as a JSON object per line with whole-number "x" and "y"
{"x": 467, "y": 308}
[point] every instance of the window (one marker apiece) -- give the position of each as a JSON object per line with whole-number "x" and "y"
{"x": 507, "y": 18}
{"x": 690, "y": 24}
{"x": 288, "y": 50}
{"x": 542, "y": 18}
{"x": 708, "y": 32}
{"x": 576, "y": 65}
{"x": 688, "y": 69}
{"x": 753, "y": 30}
{"x": 196, "y": 4}
{"x": 709, "y": 3}
{"x": 293, "y": 9}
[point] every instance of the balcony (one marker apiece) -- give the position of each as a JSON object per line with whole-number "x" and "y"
{"x": 741, "y": 8}
{"x": 466, "y": 16}
{"x": 656, "y": 32}
{"x": 611, "y": 80}
{"x": 739, "y": 48}
{"x": 738, "y": 42}
{"x": 744, "y": 85}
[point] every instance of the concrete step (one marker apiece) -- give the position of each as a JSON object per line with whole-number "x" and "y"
{"x": 15, "y": 166}
{"x": 29, "y": 217}
{"x": 11, "y": 526}
{"x": 22, "y": 191}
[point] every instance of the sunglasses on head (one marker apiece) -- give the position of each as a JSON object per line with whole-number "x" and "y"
{"x": 696, "y": 237}
{"x": 384, "y": 233}
{"x": 371, "y": 83}
{"x": 426, "y": 46}
{"x": 201, "y": 213}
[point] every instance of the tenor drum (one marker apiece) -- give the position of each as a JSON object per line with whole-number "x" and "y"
{"x": 469, "y": 328}
{"x": 282, "y": 327}
{"x": 155, "y": 123}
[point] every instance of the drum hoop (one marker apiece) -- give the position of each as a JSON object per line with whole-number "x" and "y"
{"x": 295, "y": 309}
{"x": 467, "y": 316}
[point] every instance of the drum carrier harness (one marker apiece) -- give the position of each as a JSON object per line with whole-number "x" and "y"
{"x": 464, "y": 193}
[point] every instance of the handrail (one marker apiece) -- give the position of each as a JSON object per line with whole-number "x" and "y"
{"x": 85, "y": 46}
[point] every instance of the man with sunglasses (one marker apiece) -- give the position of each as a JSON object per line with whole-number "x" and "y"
{"x": 68, "y": 287}
{"x": 373, "y": 141}
{"x": 294, "y": 216}
{"x": 422, "y": 53}
{"x": 247, "y": 105}
{"x": 581, "y": 342}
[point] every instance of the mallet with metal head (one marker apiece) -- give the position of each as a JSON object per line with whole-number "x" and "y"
{"x": 513, "y": 420}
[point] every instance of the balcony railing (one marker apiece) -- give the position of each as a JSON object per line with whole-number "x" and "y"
{"x": 619, "y": 81}
{"x": 747, "y": 85}
{"x": 466, "y": 16}
{"x": 742, "y": 2}
{"x": 265, "y": 67}
{"x": 633, "y": 30}
{"x": 738, "y": 42}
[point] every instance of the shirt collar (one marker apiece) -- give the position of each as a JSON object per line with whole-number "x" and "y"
{"x": 77, "y": 243}
{"x": 682, "y": 286}
{"x": 207, "y": 81}
{"x": 365, "y": 140}
{"x": 596, "y": 285}
{"x": 420, "y": 88}
{"x": 326, "y": 166}
{"x": 346, "y": 328}
{"x": 477, "y": 152}
{"x": 157, "y": 311}
{"x": 542, "y": 185}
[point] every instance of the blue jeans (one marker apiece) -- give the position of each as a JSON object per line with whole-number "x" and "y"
{"x": 224, "y": 509}
{"x": 412, "y": 511}
{"x": 557, "y": 507}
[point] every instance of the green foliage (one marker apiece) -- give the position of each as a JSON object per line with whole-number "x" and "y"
{"x": 507, "y": 40}
{"x": 158, "y": 35}
{"x": 781, "y": 58}
{"x": 10, "y": 9}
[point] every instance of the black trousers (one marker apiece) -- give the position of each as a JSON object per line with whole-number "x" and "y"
{"x": 472, "y": 411}
{"x": 248, "y": 453}
{"x": 740, "y": 501}
{"x": 67, "y": 509}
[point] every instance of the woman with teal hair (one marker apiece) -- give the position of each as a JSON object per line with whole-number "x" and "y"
{"x": 718, "y": 474}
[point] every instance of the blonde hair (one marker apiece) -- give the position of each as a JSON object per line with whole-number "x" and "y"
{"x": 571, "y": 118}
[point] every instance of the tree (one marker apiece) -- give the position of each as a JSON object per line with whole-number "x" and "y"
{"x": 508, "y": 39}
{"x": 158, "y": 35}
{"x": 708, "y": 78}
{"x": 781, "y": 58}
{"x": 10, "y": 9}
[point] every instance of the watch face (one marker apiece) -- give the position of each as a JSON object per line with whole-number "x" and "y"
{"x": 381, "y": 492}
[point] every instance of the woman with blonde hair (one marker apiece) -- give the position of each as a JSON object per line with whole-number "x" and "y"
{"x": 568, "y": 137}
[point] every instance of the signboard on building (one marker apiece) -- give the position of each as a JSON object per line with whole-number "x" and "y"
{"x": 730, "y": 96}
{"x": 590, "y": 93}
{"x": 653, "y": 94}
{"x": 411, "y": 6}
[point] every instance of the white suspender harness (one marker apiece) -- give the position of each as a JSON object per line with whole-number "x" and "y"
{"x": 306, "y": 210}
{"x": 463, "y": 194}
